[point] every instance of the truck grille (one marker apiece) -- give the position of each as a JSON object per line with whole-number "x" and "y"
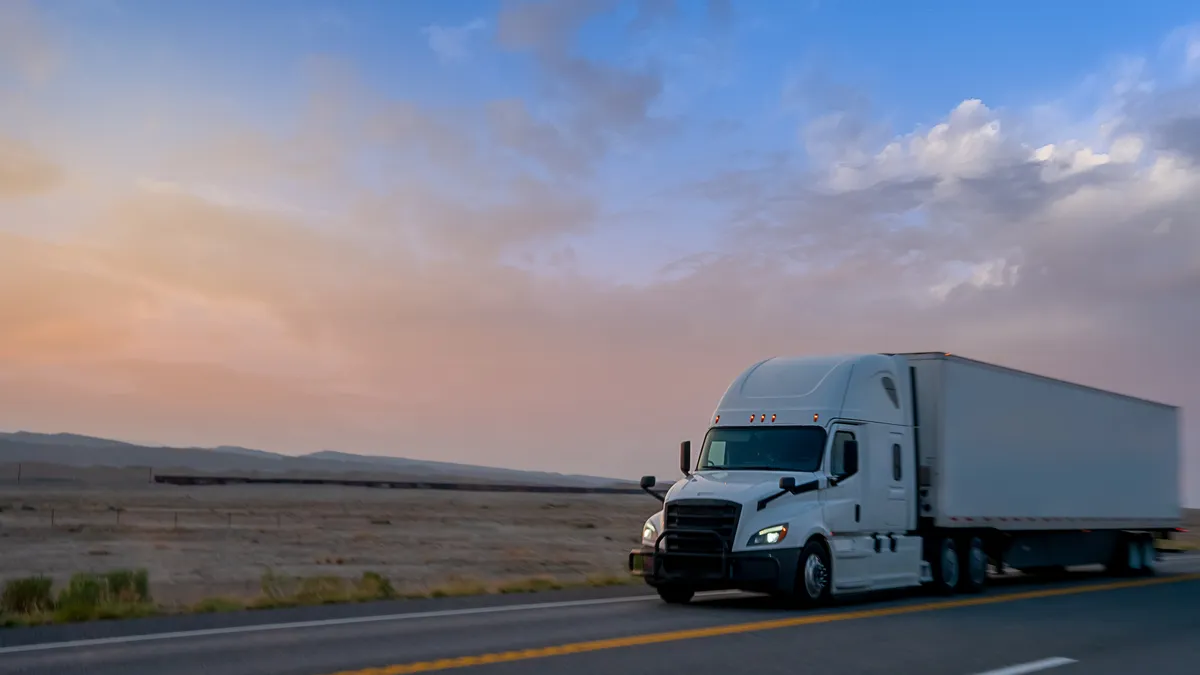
{"x": 700, "y": 526}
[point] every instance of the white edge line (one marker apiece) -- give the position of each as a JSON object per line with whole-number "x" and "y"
{"x": 1032, "y": 666}
{"x": 321, "y": 623}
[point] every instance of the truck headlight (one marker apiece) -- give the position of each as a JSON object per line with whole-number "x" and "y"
{"x": 649, "y": 532}
{"x": 769, "y": 535}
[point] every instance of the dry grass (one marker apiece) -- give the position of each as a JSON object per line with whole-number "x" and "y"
{"x": 121, "y": 594}
{"x": 249, "y": 547}
{"x": 426, "y": 542}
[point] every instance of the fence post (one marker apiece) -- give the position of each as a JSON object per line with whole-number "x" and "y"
{"x": 176, "y": 513}
{"x": 51, "y": 517}
{"x": 19, "y": 467}
{"x": 229, "y": 520}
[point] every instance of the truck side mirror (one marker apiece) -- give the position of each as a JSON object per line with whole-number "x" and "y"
{"x": 850, "y": 458}
{"x": 648, "y": 483}
{"x": 787, "y": 483}
{"x": 685, "y": 458}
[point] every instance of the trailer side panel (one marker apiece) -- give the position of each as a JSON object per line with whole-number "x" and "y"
{"x": 1017, "y": 451}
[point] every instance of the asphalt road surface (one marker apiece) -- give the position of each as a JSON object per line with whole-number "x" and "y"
{"x": 1087, "y": 624}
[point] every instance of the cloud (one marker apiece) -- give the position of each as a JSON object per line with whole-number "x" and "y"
{"x": 450, "y": 43}
{"x": 28, "y": 47}
{"x": 24, "y": 171}
{"x": 356, "y": 275}
{"x": 652, "y": 13}
{"x": 599, "y": 102}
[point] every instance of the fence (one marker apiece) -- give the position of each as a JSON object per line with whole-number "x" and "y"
{"x": 38, "y": 473}
{"x": 182, "y": 519}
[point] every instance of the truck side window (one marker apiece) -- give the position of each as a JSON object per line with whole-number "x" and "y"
{"x": 837, "y": 457}
{"x": 897, "y": 465}
{"x": 890, "y": 387}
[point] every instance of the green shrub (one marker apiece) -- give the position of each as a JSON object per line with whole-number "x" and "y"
{"x": 112, "y": 595}
{"x": 82, "y": 595}
{"x": 375, "y": 586}
{"x": 322, "y": 590}
{"x": 27, "y": 596}
{"x": 129, "y": 586}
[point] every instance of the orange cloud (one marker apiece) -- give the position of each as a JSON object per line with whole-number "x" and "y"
{"x": 24, "y": 172}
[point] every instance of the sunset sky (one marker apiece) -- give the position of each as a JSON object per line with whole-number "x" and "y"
{"x": 548, "y": 235}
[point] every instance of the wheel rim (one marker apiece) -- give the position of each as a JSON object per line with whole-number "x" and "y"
{"x": 978, "y": 563}
{"x": 949, "y": 564}
{"x": 815, "y": 576}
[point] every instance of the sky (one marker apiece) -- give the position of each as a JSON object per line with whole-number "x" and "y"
{"x": 547, "y": 235}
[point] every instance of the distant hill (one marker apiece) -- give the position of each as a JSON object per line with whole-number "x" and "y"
{"x": 85, "y": 451}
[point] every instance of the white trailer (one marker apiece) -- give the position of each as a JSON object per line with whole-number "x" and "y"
{"x": 827, "y": 475}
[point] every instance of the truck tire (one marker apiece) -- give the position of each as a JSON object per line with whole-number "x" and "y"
{"x": 973, "y": 565}
{"x": 814, "y": 576}
{"x": 676, "y": 595}
{"x": 1149, "y": 556}
{"x": 1143, "y": 551}
{"x": 945, "y": 561}
{"x": 1133, "y": 556}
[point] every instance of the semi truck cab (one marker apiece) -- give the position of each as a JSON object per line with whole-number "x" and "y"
{"x": 810, "y": 482}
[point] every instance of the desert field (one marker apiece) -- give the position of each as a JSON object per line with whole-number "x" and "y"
{"x": 200, "y": 542}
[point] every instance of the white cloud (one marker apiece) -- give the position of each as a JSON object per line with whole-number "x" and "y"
{"x": 965, "y": 145}
{"x": 224, "y": 196}
{"x": 451, "y": 43}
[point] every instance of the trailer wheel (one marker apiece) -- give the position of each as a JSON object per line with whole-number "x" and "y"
{"x": 945, "y": 563}
{"x": 676, "y": 595}
{"x": 1147, "y": 555}
{"x": 1133, "y": 556}
{"x": 814, "y": 576}
{"x": 974, "y": 564}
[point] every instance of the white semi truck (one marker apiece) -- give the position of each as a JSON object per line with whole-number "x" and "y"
{"x": 821, "y": 476}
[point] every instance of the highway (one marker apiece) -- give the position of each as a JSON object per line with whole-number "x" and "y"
{"x": 1087, "y": 624}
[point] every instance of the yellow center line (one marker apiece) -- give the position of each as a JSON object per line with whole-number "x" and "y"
{"x": 756, "y": 626}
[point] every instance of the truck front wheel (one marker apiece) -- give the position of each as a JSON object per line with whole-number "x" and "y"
{"x": 813, "y": 575}
{"x": 676, "y": 595}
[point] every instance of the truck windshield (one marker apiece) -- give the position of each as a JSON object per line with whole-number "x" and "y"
{"x": 763, "y": 449}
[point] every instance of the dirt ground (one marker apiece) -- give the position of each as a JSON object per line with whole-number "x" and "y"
{"x": 199, "y": 542}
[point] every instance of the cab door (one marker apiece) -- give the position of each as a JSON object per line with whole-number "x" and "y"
{"x": 843, "y": 509}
